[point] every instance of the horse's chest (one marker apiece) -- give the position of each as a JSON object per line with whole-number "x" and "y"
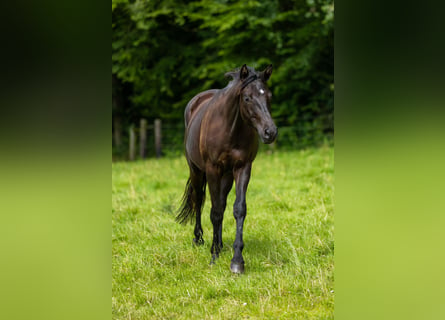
{"x": 226, "y": 148}
{"x": 231, "y": 159}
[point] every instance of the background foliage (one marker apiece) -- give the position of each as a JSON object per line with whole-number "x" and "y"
{"x": 164, "y": 52}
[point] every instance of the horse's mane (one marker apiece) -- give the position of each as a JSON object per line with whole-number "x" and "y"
{"x": 234, "y": 74}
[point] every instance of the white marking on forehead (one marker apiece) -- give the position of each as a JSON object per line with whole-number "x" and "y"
{"x": 261, "y": 91}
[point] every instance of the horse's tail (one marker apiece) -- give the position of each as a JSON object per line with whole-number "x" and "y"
{"x": 192, "y": 201}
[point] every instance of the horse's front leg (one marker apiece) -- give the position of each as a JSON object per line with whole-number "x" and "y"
{"x": 242, "y": 177}
{"x": 219, "y": 187}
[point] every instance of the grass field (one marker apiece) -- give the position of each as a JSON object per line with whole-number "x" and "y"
{"x": 288, "y": 243}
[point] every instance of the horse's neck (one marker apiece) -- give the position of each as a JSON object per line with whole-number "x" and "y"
{"x": 232, "y": 109}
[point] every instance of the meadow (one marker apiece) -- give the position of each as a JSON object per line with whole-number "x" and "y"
{"x": 157, "y": 272}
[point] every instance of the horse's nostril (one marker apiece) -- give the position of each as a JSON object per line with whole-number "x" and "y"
{"x": 267, "y": 132}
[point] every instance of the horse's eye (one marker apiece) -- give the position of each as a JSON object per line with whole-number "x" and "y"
{"x": 246, "y": 99}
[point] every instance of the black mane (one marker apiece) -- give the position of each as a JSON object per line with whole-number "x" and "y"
{"x": 235, "y": 73}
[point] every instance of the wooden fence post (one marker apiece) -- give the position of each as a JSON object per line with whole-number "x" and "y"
{"x": 143, "y": 138}
{"x": 158, "y": 138}
{"x": 132, "y": 144}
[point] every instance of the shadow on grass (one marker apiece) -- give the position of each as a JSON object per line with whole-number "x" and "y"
{"x": 266, "y": 250}
{"x": 259, "y": 253}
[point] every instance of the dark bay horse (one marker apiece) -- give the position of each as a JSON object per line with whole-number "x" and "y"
{"x": 221, "y": 142}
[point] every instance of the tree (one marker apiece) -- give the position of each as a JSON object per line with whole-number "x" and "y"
{"x": 168, "y": 51}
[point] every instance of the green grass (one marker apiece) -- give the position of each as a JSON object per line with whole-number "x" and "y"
{"x": 288, "y": 243}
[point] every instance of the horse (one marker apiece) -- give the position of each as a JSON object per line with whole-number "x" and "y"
{"x": 222, "y": 127}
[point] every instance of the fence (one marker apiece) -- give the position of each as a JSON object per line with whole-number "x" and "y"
{"x": 163, "y": 138}
{"x": 154, "y": 139}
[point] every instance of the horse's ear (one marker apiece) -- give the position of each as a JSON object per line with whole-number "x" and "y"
{"x": 267, "y": 73}
{"x": 244, "y": 72}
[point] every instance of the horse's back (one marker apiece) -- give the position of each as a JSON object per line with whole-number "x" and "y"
{"x": 197, "y": 103}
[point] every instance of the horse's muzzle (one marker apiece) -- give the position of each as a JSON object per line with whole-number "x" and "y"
{"x": 269, "y": 134}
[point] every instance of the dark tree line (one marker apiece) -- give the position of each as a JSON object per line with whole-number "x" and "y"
{"x": 164, "y": 52}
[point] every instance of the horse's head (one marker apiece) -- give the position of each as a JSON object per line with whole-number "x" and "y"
{"x": 255, "y": 99}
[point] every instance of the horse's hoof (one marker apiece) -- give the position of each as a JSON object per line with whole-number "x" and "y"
{"x": 214, "y": 257}
{"x": 198, "y": 242}
{"x": 237, "y": 267}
